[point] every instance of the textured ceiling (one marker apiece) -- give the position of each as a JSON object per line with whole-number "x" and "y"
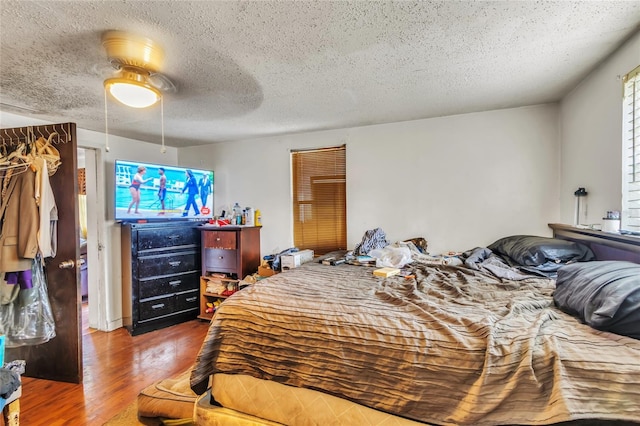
{"x": 249, "y": 69}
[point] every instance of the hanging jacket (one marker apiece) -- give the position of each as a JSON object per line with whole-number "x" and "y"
{"x": 20, "y": 221}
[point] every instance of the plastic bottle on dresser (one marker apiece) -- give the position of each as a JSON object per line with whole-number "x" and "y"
{"x": 237, "y": 215}
{"x": 258, "y": 218}
{"x": 250, "y": 216}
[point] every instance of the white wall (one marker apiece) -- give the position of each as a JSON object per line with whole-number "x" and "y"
{"x": 591, "y": 129}
{"x": 110, "y": 285}
{"x": 460, "y": 181}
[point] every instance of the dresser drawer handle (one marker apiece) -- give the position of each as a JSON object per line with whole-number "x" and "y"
{"x": 175, "y": 263}
{"x": 220, "y": 257}
{"x": 218, "y": 239}
{"x": 175, "y": 283}
{"x": 158, "y": 306}
{"x": 191, "y": 299}
{"x": 173, "y": 237}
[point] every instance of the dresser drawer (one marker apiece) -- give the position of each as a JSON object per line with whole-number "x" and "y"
{"x": 219, "y": 239}
{"x": 220, "y": 260}
{"x": 166, "y": 237}
{"x": 168, "y": 285}
{"x": 157, "y": 307}
{"x": 168, "y": 264}
{"x": 187, "y": 300}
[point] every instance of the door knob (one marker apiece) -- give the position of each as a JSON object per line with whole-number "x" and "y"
{"x": 67, "y": 264}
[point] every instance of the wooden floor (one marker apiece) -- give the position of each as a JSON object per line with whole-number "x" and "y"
{"x": 116, "y": 367}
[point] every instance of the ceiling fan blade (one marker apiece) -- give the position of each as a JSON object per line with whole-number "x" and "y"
{"x": 162, "y": 83}
{"x": 103, "y": 70}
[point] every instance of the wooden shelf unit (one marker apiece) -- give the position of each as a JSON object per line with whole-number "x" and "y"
{"x": 230, "y": 250}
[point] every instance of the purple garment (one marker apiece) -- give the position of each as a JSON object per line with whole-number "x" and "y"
{"x": 21, "y": 277}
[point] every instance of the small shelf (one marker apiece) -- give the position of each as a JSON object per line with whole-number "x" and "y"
{"x": 205, "y": 317}
{"x": 605, "y": 245}
{"x": 207, "y": 297}
{"x": 630, "y": 242}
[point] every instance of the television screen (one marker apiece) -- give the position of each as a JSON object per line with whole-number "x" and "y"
{"x": 145, "y": 191}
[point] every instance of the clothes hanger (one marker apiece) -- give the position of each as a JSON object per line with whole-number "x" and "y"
{"x": 15, "y": 136}
{"x": 50, "y": 138}
{"x": 17, "y": 153}
{"x": 49, "y": 153}
{"x": 16, "y": 158}
{"x": 66, "y": 135}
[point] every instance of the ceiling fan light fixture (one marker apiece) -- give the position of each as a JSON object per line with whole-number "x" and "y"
{"x": 132, "y": 89}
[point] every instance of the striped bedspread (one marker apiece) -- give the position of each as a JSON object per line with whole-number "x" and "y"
{"x": 452, "y": 346}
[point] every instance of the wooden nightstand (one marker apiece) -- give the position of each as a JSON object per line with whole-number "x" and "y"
{"x": 229, "y": 251}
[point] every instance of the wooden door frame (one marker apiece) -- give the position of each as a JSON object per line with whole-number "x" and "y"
{"x": 95, "y": 238}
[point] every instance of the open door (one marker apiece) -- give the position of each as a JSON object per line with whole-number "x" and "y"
{"x": 60, "y": 358}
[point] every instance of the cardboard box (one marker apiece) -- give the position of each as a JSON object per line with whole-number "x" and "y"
{"x": 293, "y": 260}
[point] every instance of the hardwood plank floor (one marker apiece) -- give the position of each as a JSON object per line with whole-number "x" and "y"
{"x": 117, "y": 367}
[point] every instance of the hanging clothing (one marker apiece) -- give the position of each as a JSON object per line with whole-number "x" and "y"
{"x": 48, "y": 211}
{"x": 8, "y": 293}
{"x": 28, "y": 233}
{"x": 23, "y": 278}
{"x": 20, "y": 220}
{"x": 28, "y": 320}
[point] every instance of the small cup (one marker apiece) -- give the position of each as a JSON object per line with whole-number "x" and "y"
{"x": 610, "y": 225}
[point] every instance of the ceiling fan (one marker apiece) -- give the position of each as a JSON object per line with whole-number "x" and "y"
{"x": 137, "y": 61}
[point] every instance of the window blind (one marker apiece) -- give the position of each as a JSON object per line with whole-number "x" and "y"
{"x": 631, "y": 151}
{"x": 319, "y": 199}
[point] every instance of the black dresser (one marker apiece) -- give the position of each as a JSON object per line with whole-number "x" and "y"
{"x": 160, "y": 274}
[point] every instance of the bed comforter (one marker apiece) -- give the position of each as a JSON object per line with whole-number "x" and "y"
{"x": 450, "y": 346}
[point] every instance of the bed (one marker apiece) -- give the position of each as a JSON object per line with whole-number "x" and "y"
{"x": 451, "y": 344}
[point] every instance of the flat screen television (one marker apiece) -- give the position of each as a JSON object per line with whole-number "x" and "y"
{"x": 148, "y": 191}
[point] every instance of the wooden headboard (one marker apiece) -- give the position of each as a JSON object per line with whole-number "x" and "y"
{"x": 605, "y": 245}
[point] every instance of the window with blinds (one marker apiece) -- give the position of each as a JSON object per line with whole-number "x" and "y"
{"x": 319, "y": 199}
{"x": 631, "y": 152}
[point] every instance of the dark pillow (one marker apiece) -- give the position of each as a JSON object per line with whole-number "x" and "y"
{"x": 605, "y": 295}
{"x": 542, "y": 253}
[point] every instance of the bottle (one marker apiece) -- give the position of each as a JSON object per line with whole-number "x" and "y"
{"x": 236, "y": 218}
{"x": 258, "y": 218}
{"x": 251, "y": 217}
